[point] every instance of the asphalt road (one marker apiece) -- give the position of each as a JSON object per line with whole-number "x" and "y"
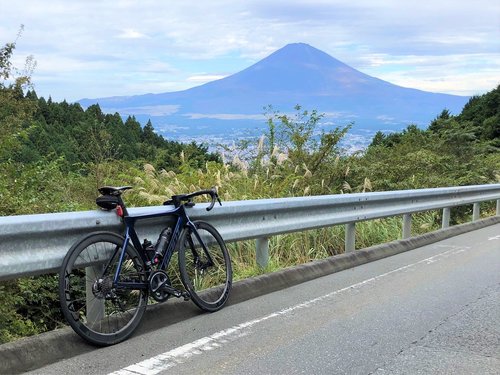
{"x": 433, "y": 310}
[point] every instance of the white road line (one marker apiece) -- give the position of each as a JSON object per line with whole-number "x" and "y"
{"x": 172, "y": 358}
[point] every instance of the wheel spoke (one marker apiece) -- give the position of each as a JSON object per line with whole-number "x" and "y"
{"x": 205, "y": 267}
{"x": 89, "y": 301}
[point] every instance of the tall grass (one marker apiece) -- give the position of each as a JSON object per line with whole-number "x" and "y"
{"x": 302, "y": 247}
{"x": 284, "y": 250}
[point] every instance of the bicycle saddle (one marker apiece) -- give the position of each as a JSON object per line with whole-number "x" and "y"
{"x": 111, "y": 190}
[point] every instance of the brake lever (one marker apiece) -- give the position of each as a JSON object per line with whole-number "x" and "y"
{"x": 214, "y": 197}
{"x": 211, "y": 205}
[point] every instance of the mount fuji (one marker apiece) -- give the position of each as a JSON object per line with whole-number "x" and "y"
{"x": 295, "y": 74}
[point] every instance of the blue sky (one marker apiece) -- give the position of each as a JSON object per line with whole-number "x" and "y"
{"x": 90, "y": 49}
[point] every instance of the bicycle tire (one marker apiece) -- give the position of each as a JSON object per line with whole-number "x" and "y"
{"x": 95, "y": 309}
{"x": 208, "y": 285}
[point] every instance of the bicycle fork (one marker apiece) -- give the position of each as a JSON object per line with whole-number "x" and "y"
{"x": 202, "y": 266}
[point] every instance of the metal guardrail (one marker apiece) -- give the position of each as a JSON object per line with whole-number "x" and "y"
{"x": 37, "y": 244}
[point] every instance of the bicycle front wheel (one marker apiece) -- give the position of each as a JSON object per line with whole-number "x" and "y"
{"x": 205, "y": 266}
{"x": 96, "y": 309}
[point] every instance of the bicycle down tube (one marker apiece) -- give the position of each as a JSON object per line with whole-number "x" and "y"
{"x": 131, "y": 235}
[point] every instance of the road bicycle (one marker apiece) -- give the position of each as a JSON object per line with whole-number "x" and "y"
{"x": 106, "y": 279}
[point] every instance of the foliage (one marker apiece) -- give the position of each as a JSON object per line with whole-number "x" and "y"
{"x": 295, "y": 157}
{"x": 29, "y": 306}
{"x": 87, "y": 138}
{"x": 15, "y": 111}
{"x": 454, "y": 150}
{"x": 54, "y": 155}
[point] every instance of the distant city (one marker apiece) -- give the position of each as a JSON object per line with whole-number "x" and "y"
{"x": 355, "y": 140}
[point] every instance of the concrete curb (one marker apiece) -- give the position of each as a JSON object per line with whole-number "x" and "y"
{"x": 37, "y": 351}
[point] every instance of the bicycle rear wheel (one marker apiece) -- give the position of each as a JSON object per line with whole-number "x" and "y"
{"x": 207, "y": 277}
{"x": 96, "y": 309}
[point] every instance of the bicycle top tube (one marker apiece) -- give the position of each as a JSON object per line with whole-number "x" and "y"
{"x": 112, "y": 199}
{"x": 158, "y": 211}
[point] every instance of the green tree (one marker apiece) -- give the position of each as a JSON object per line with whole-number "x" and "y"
{"x": 296, "y": 156}
{"x": 440, "y": 121}
{"x": 15, "y": 109}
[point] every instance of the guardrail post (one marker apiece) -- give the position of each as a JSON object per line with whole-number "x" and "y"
{"x": 446, "y": 218}
{"x": 350, "y": 237}
{"x": 262, "y": 251}
{"x": 475, "y": 211}
{"x": 95, "y": 306}
{"x": 498, "y": 207}
{"x": 406, "y": 226}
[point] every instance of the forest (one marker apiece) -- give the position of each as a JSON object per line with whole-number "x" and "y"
{"x": 53, "y": 156}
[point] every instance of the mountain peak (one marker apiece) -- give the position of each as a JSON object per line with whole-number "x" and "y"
{"x": 298, "y": 45}
{"x": 297, "y": 66}
{"x": 303, "y": 53}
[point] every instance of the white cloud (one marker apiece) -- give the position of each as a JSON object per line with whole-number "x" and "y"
{"x": 131, "y": 34}
{"x": 83, "y": 48}
{"x": 463, "y": 74}
{"x": 224, "y": 116}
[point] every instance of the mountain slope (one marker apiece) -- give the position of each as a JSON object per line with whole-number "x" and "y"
{"x": 295, "y": 74}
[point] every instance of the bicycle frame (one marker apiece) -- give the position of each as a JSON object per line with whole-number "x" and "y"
{"x": 182, "y": 222}
{"x": 106, "y": 280}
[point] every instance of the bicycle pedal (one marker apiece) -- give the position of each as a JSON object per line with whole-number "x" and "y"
{"x": 172, "y": 291}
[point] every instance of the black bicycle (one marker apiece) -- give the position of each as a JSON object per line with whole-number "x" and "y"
{"x": 106, "y": 279}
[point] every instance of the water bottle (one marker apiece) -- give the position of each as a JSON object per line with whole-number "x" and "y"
{"x": 162, "y": 243}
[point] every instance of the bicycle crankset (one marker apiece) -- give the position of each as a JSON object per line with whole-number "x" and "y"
{"x": 159, "y": 285}
{"x": 161, "y": 288}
